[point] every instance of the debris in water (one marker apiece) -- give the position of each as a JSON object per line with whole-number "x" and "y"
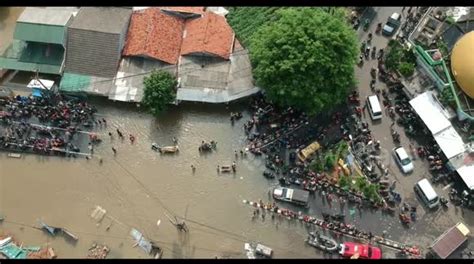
{"x": 98, "y": 252}
{"x": 98, "y": 214}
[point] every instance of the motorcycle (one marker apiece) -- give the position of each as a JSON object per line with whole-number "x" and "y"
{"x": 372, "y": 85}
{"x": 369, "y": 39}
{"x": 367, "y": 53}
{"x": 366, "y": 24}
{"x": 380, "y": 54}
{"x": 373, "y": 73}
{"x": 379, "y": 28}
{"x": 374, "y": 50}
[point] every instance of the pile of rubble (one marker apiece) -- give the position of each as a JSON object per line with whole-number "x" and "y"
{"x": 98, "y": 252}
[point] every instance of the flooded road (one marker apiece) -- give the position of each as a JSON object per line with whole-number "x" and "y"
{"x": 134, "y": 186}
{"x": 138, "y": 187}
{"x": 8, "y": 17}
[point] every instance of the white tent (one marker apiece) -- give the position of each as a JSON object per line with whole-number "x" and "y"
{"x": 450, "y": 142}
{"x": 427, "y": 106}
{"x": 48, "y": 84}
{"x": 467, "y": 175}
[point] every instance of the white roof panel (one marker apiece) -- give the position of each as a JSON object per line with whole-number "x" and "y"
{"x": 467, "y": 175}
{"x": 36, "y": 84}
{"x": 430, "y": 111}
{"x": 450, "y": 142}
{"x": 46, "y": 16}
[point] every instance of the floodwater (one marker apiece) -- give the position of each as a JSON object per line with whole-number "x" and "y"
{"x": 139, "y": 186}
{"x": 134, "y": 186}
{"x": 8, "y": 17}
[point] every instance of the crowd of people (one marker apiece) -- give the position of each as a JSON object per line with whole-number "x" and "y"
{"x": 44, "y": 125}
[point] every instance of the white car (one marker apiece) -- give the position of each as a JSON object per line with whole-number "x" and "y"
{"x": 403, "y": 160}
{"x": 392, "y": 24}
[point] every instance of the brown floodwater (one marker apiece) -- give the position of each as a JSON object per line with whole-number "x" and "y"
{"x": 134, "y": 185}
{"x": 8, "y": 17}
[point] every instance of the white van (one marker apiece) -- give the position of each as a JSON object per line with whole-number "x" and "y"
{"x": 374, "y": 108}
{"x": 426, "y": 192}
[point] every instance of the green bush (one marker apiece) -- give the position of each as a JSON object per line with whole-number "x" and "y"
{"x": 406, "y": 69}
{"x": 159, "y": 91}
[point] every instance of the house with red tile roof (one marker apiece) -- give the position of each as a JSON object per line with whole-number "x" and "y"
{"x": 156, "y": 35}
{"x": 196, "y": 45}
{"x": 208, "y": 35}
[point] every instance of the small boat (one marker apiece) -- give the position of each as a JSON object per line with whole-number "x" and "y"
{"x": 167, "y": 149}
{"x": 322, "y": 242}
{"x": 254, "y": 251}
{"x": 227, "y": 168}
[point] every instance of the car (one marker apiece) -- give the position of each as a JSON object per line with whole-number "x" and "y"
{"x": 403, "y": 160}
{"x": 392, "y": 24}
{"x": 361, "y": 251}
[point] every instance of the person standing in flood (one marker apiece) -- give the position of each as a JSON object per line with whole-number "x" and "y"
{"x": 114, "y": 150}
{"x": 132, "y": 139}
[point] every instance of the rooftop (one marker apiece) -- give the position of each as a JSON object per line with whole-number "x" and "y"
{"x": 462, "y": 63}
{"x": 45, "y": 16}
{"x": 209, "y": 34}
{"x": 154, "y": 34}
{"x": 102, "y": 19}
{"x": 185, "y": 9}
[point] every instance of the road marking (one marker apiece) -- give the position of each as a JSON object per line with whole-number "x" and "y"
{"x": 448, "y": 186}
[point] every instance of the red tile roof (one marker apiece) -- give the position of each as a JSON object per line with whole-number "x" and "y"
{"x": 154, "y": 34}
{"x": 185, "y": 9}
{"x": 209, "y": 34}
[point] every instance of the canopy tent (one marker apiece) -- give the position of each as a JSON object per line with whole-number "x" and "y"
{"x": 466, "y": 173}
{"x": 41, "y": 84}
{"x": 450, "y": 142}
{"x": 427, "y": 106}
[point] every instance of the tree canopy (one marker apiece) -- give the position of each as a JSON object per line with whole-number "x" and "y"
{"x": 305, "y": 58}
{"x": 159, "y": 91}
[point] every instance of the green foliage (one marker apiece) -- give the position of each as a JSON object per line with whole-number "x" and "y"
{"x": 344, "y": 182}
{"x": 400, "y": 59}
{"x": 447, "y": 97}
{"x": 305, "y": 59}
{"x": 406, "y": 69}
{"x": 329, "y": 161}
{"x": 246, "y": 20}
{"x": 360, "y": 183}
{"x": 159, "y": 91}
{"x": 317, "y": 166}
{"x": 342, "y": 149}
{"x": 450, "y": 20}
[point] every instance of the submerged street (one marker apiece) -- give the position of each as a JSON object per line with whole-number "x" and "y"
{"x": 143, "y": 189}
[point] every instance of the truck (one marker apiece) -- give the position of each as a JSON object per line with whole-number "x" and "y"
{"x": 295, "y": 196}
{"x": 305, "y": 153}
{"x": 449, "y": 241}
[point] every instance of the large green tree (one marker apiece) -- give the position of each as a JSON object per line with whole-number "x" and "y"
{"x": 159, "y": 91}
{"x": 305, "y": 58}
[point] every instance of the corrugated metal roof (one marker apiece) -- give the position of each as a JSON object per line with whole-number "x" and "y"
{"x": 102, "y": 19}
{"x": 45, "y": 16}
{"x": 448, "y": 242}
{"x": 74, "y": 82}
{"x": 40, "y": 33}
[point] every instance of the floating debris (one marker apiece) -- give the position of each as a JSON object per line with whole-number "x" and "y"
{"x": 98, "y": 214}
{"x": 98, "y": 252}
{"x": 145, "y": 244}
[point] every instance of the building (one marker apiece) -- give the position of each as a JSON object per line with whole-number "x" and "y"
{"x": 39, "y": 40}
{"x": 95, "y": 41}
{"x": 195, "y": 45}
{"x": 462, "y": 63}
{"x": 442, "y": 41}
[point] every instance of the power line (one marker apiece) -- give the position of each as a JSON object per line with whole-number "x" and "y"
{"x": 87, "y": 83}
